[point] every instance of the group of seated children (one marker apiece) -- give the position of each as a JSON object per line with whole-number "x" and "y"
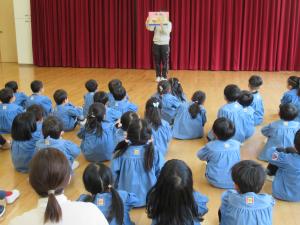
{"x": 112, "y": 130}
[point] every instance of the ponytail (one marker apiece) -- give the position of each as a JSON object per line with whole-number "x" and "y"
{"x": 117, "y": 208}
{"x": 53, "y": 211}
{"x": 149, "y": 156}
{"x": 176, "y": 89}
{"x": 153, "y": 112}
{"x": 94, "y": 123}
{"x": 121, "y": 148}
{"x": 194, "y": 109}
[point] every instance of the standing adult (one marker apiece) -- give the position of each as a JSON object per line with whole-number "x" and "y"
{"x": 161, "y": 48}
{"x": 49, "y": 175}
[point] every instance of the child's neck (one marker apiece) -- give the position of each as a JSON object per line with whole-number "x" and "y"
{"x": 37, "y": 93}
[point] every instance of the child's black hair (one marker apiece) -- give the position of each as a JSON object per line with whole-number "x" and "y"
{"x": 232, "y": 92}
{"x": 52, "y": 127}
{"x": 97, "y": 179}
{"x": 297, "y": 141}
{"x": 198, "y": 99}
{"x": 255, "y": 81}
{"x": 60, "y": 96}
{"x": 101, "y": 97}
{"x": 12, "y": 85}
{"x": 153, "y": 112}
{"x": 249, "y": 176}
{"x": 36, "y": 86}
{"x": 37, "y": 111}
{"x": 119, "y": 93}
{"x": 223, "y": 128}
{"x": 91, "y": 85}
{"x": 163, "y": 87}
{"x": 293, "y": 81}
{"x": 176, "y": 88}
{"x": 127, "y": 118}
{"x": 95, "y": 118}
{"x": 6, "y": 94}
{"x": 114, "y": 84}
{"x": 246, "y": 98}
{"x": 138, "y": 133}
{"x": 23, "y": 126}
{"x": 171, "y": 199}
{"x": 288, "y": 112}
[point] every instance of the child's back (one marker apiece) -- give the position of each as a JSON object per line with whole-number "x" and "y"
{"x": 21, "y": 97}
{"x": 291, "y": 96}
{"x": 7, "y": 114}
{"x": 258, "y": 107}
{"x": 170, "y": 105}
{"x": 42, "y": 100}
{"x": 246, "y": 209}
{"x": 162, "y": 137}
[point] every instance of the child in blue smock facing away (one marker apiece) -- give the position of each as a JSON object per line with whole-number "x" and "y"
{"x": 221, "y": 154}
{"x": 114, "y": 204}
{"x": 248, "y": 121}
{"x": 38, "y": 98}
{"x": 254, "y": 84}
{"x": 25, "y": 135}
{"x": 97, "y": 136}
{"x": 190, "y": 118}
{"x": 246, "y": 205}
{"x": 291, "y": 96}
{"x": 21, "y": 97}
{"x": 280, "y": 133}
{"x": 286, "y": 184}
{"x": 161, "y": 129}
{"x": 233, "y": 111}
{"x": 69, "y": 114}
{"x": 52, "y": 131}
{"x": 88, "y": 98}
{"x": 123, "y": 125}
{"x": 112, "y": 86}
{"x": 112, "y": 115}
{"x": 172, "y": 200}
{"x": 170, "y": 103}
{"x": 121, "y": 103}
{"x": 176, "y": 89}
{"x": 136, "y": 163}
{"x": 38, "y": 113}
{"x": 8, "y": 110}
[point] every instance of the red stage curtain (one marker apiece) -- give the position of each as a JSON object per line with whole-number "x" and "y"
{"x": 207, "y": 34}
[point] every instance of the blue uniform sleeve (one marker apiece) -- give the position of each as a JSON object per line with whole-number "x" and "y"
{"x": 115, "y": 169}
{"x": 159, "y": 162}
{"x": 224, "y": 202}
{"x": 132, "y": 200}
{"x": 267, "y": 130}
{"x": 286, "y": 98}
{"x": 221, "y": 113}
{"x": 203, "y": 116}
{"x": 279, "y": 159}
{"x": 47, "y": 104}
{"x": 75, "y": 111}
{"x": 132, "y": 107}
{"x": 203, "y": 154}
{"x": 201, "y": 201}
{"x": 72, "y": 149}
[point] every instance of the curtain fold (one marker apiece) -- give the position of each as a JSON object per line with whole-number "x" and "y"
{"x": 207, "y": 34}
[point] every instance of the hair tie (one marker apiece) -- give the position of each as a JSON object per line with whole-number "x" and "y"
{"x": 160, "y": 88}
{"x": 155, "y": 104}
{"x": 51, "y": 192}
{"x": 127, "y": 141}
{"x": 149, "y": 141}
{"x": 92, "y": 116}
{"x": 109, "y": 186}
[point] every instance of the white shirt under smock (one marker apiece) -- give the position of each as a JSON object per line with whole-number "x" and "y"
{"x": 161, "y": 33}
{"x": 75, "y": 213}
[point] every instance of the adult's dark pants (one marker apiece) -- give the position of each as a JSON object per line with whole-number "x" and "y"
{"x": 161, "y": 59}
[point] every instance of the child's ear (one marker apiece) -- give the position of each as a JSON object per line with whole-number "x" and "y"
{"x": 236, "y": 187}
{"x": 62, "y": 133}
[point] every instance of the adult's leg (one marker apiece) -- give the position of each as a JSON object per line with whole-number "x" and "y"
{"x": 165, "y": 51}
{"x": 157, "y": 59}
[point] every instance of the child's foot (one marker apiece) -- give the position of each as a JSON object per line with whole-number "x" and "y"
{"x": 270, "y": 178}
{"x": 6, "y": 146}
{"x": 75, "y": 165}
{"x": 12, "y": 196}
{"x": 2, "y": 210}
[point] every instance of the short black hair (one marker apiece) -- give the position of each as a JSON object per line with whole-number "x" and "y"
{"x": 255, "y": 81}
{"x": 36, "y": 86}
{"x": 37, "y": 111}
{"x": 91, "y": 85}
{"x": 249, "y": 176}
{"x": 52, "y": 126}
{"x": 23, "y": 126}
{"x": 223, "y": 128}
{"x": 113, "y": 84}
{"x": 60, "y": 96}
{"x": 12, "y": 85}
{"x": 293, "y": 81}
{"x": 297, "y": 141}
{"x": 232, "y": 92}
{"x": 288, "y": 112}
{"x": 6, "y": 94}
{"x": 101, "y": 97}
{"x": 119, "y": 93}
{"x": 246, "y": 98}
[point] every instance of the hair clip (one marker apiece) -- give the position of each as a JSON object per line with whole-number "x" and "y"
{"x": 92, "y": 116}
{"x": 155, "y": 104}
{"x": 51, "y": 192}
{"x": 149, "y": 141}
{"x": 160, "y": 88}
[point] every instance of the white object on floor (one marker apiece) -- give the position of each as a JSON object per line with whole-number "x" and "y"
{"x": 270, "y": 178}
{"x": 158, "y": 79}
{"x": 13, "y": 197}
{"x": 75, "y": 165}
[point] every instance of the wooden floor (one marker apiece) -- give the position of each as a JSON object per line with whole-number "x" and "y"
{"x": 140, "y": 85}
